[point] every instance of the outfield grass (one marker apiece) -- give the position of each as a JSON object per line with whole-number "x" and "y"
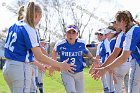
{"x": 54, "y": 84}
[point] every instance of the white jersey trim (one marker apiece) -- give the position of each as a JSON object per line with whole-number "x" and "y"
{"x": 32, "y": 35}
{"x": 118, "y": 41}
{"x": 98, "y": 49}
{"x": 59, "y": 43}
{"x": 128, "y": 39}
{"x": 107, "y": 45}
{"x": 27, "y": 59}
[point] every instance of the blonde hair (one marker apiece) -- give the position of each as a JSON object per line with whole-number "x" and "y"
{"x": 32, "y": 8}
{"x": 21, "y": 13}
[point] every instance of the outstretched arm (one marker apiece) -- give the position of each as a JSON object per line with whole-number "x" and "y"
{"x": 120, "y": 60}
{"x": 112, "y": 57}
{"x": 117, "y": 62}
{"x": 45, "y": 59}
{"x": 54, "y": 56}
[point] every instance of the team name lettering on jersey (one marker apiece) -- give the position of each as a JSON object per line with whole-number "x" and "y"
{"x": 71, "y": 54}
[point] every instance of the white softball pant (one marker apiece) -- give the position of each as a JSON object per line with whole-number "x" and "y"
{"x": 122, "y": 73}
{"x": 74, "y": 83}
{"x": 40, "y": 76}
{"x": 134, "y": 78}
{"x": 33, "y": 82}
{"x": 18, "y": 76}
{"x": 110, "y": 82}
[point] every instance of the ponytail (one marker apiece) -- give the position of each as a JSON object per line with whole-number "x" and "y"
{"x": 30, "y": 13}
{"x": 21, "y": 13}
{"x": 137, "y": 22}
{"x": 31, "y": 10}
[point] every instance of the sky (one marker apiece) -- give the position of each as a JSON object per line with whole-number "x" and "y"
{"x": 105, "y": 10}
{"x": 6, "y": 17}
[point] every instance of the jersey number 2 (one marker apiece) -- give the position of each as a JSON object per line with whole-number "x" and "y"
{"x": 9, "y": 43}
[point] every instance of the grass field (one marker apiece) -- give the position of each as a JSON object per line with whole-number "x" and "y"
{"x": 54, "y": 84}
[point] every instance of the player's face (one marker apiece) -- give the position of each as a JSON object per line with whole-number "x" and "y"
{"x": 116, "y": 27}
{"x": 37, "y": 18}
{"x": 103, "y": 37}
{"x": 71, "y": 35}
{"x": 109, "y": 35}
{"x": 43, "y": 44}
{"x": 121, "y": 25}
{"x": 100, "y": 36}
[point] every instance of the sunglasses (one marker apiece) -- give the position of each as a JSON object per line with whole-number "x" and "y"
{"x": 99, "y": 34}
{"x": 114, "y": 22}
{"x": 72, "y": 26}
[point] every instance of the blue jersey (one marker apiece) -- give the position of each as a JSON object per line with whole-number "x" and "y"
{"x": 132, "y": 42}
{"x": 73, "y": 52}
{"x": 21, "y": 38}
{"x": 112, "y": 44}
{"x": 119, "y": 43}
{"x": 104, "y": 50}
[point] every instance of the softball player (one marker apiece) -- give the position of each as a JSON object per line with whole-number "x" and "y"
{"x": 104, "y": 52}
{"x": 72, "y": 48}
{"x": 123, "y": 74}
{"x": 22, "y": 44}
{"x": 101, "y": 37}
{"x": 39, "y": 79}
{"x": 130, "y": 47}
{"x": 122, "y": 71}
{"x": 34, "y": 79}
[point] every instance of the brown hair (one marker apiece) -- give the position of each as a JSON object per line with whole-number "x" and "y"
{"x": 122, "y": 15}
{"x": 125, "y": 16}
{"x": 32, "y": 8}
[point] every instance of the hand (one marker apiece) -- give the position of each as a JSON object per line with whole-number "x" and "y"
{"x": 98, "y": 73}
{"x": 96, "y": 61}
{"x": 91, "y": 69}
{"x": 42, "y": 68}
{"x": 94, "y": 65}
{"x": 51, "y": 71}
{"x": 64, "y": 66}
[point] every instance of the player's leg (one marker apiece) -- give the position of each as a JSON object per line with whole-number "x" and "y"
{"x": 33, "y": 80}
{"x": 40, "y": 81}
{"x": 134, "y": 80}
{"x": 109, "y": 79}
{"x": 41, "y": 87}
{"x": 126, "y": 80}
{"x": 120, "y": 74}
{"x": 33, "y": 85}
{"x": 27, "y": 77}
{"x": 19, "y": 74}
{"x": 69, "y": 82}
{"x": 6, "y": 75}
{"x": 79, "y": 82}
{"x": 104, "y": 84}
